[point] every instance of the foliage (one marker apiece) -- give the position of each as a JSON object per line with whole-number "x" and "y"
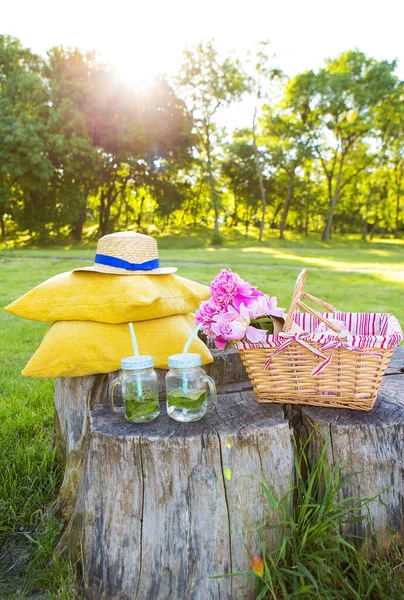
{"x": 84, "y": 154}
{"x": 339, "y": 106}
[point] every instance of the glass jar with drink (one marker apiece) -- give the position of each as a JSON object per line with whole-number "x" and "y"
{"x": 138, "y": 381}
{"x": 190, "y": 393}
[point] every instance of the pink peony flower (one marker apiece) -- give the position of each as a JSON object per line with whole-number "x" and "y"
{"x": 263, "y": 306}
{"x": 234, "y": 303}
{"x": 234, "y": 325}
{"x": 228, "y": 288}
{"x": 246, "y": 294}
{"x": 224, "y": 287}
{"x": 205, "y": 314}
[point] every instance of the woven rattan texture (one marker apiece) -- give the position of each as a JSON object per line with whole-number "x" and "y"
{"x": 351, "y": 380}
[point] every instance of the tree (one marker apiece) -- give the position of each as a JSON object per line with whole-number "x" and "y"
{"x": 139, "y": 134}
{"x": 339, "y": 103}
{"x": 289, "y": 144}
{"x": 25, "y": 167}
{"x": 70, "y": 77}
{"x": 239, "y": 168}
{"x": 265, "y": 75}
{"x": 209, "y": 82}
{"x": 391, "y": 127}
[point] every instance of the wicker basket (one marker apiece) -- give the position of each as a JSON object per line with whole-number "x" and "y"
{"x": 322, "y": 369}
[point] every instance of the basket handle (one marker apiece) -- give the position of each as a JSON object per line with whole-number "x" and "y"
{"x": 297, "y": 303}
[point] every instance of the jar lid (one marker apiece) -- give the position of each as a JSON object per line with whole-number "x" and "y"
{"x": 184, "y": 361}
{"x": 132, "y": 363}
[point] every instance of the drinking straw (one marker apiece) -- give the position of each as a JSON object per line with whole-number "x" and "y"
{"x": 136, "y": 353}
{"x": 134, "y": 340}
{"x": 191, "y": 338}
{"x": 186, "y": 348}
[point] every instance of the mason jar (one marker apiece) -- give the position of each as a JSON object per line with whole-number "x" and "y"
{"x": 190, "y": 393}
{"x": 138, "y": 381}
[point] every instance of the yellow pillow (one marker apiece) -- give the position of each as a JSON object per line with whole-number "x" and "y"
{"x": 86, "y": 296}
{"x": 75, "y": 348}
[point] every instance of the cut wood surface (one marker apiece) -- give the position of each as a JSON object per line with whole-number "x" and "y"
{"x": 396, "y": 364}
{"x": 166, "y": 506}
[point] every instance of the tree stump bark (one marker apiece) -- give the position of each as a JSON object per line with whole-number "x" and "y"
{"x": 369, "y": 445}
{"x": 164, "y": 507}
{"x": 75, "y": 397}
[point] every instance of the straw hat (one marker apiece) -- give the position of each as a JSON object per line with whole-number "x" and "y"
{"x": 128, "y": 253}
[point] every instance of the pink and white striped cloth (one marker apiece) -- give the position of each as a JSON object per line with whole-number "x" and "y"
{"x": 367, "y": 330}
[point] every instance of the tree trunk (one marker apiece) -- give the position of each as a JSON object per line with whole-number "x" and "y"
{"x": 247, "y": 225}
{"x": 234, "y": 217}
{"x": 79, "y": 224}
{"x": 2, "y": 225}
{"x": 333, "y": 200}
{"x": 260, "y": 179}
{"x": 139, "y": 215}
{"x": 102, "y": 212}
{"x": 327, "y": 231}
{"x": 396, "y": 231}
{"x": 365, "y": 230}
{"x": 212, "y": 181}
{"x": 111, "y": 197}
{"x": 373, "y": 229}
{"x": 365, "y": 220}
{"x": 180, "y": 503}
{"x": 288, "y": 200}
{"x": 306, "y": 220}
{"x": 105, "y": 223}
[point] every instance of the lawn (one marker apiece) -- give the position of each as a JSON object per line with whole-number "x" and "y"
{"x": 349, "y": 274}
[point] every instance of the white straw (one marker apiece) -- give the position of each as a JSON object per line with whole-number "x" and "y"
{"x": 136, "y": 352}
{"x": 134, "y": 340}
{"x": 191, "y": 338}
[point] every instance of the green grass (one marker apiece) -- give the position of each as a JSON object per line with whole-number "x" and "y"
{"x": 29, "y": 473}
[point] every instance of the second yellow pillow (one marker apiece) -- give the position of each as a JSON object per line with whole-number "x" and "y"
{"x": 76, "y": 348}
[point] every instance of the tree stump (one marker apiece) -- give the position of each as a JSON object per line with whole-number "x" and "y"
{"x": 371, "y": 446}
{"x": 156, "y": 510}
{"x": 164, "y": 507}
{"x": 76, "y": 397}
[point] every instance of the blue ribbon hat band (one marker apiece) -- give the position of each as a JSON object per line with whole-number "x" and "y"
{"x": 119, "y": 263}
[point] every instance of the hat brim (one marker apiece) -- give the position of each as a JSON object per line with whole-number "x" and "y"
{"x": 116, "y": 271}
